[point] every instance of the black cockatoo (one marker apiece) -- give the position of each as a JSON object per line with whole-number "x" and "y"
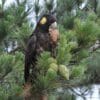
{"x": 42, "y": 39}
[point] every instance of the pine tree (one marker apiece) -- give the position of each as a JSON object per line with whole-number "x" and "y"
{"x": 79, "y": 30}
{"x": 14, "y": 32}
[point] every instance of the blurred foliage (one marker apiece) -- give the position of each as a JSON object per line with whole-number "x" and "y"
{"x": 11, "y": 75}
{"x": 78, "y": 72}
{"x": 22, "y": 35}
{"x": 66, "y": 95}
{"x": 63, "y": 55}
{"x": 93, "y": 67}
{"x": 86, "y": 31}
{"x": 69, "y": 9}
{"x": 12, "y": 20}
{"x": 44, "y": 79}
{"x": 47, "y": 73}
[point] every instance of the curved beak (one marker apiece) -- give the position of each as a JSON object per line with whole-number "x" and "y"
{"x": 53, "y": 26}
{"x": 54, "y": 32}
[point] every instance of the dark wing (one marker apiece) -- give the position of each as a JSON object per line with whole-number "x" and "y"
{"x": 30, "y": 56}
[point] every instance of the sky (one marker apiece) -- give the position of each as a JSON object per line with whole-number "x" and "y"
{"x": 8, "y": 2}
{"x": 11, "y": 1}
{"x": 31, "y": 16}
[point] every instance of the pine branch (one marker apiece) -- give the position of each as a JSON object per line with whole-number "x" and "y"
{"x": 2, "y": 78}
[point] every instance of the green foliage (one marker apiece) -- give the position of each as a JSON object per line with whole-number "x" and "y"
{"x": 11, "y": 75}
{"x": 63, "y": 53}
{"x": 22, "y": 34}
{"x": 66, "y": 5}
{"x": 83, "y": 53}
{"x": 6, "y": 62}
{"x": 65, "y": 95}
{"x": 48, "y": 72}
{"x": 92, "y": 16}
{"x": 11, "y": 64}
{"x": 66, "y": 19}
{"x": 43, "y": 62}
{"x": 4, "y": 29}
{"x": 93, "y": 67}
{"x": 86, "y": 32}
{"x": 51, "y": 74}
{"x": 10, "y": 92}
{"x": 78, "y": 72}
{"x": 41, "y": 83}
{"x": 19, "y": 11}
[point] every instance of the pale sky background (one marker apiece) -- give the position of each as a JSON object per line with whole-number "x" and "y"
{"x": 8, "y": 2}
{"x": 11, "y": 1}
{"x": 31, "y": 17}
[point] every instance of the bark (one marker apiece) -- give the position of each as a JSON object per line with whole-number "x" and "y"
{"x": 28, "y": 95}
{"x": 36, "y": 97}
{"x": 95, "y": 6}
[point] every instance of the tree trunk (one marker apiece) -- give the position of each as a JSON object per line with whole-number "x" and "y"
{"x": 28, "y": 95}
{"x": 36, "y": 97}
{"x": 95, "y": 6}
{"x": 43, "y": 97}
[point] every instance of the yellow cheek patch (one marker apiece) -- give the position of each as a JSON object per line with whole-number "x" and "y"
{"x": 43, "y": 20}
